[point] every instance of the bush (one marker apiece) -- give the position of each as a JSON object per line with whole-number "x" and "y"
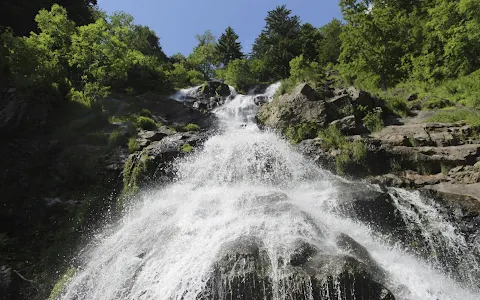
{"x": 191, "y": 127}
{"x": 146, "y": 123}
{"x": 373, "y": 120}
{"x": 302, "y": 132}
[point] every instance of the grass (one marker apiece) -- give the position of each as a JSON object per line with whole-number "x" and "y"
{"x": 470, "y": 116}
{"x": 352, "y": 154}
{"x": 186, "y": 148}
{"x": 133, "y": 144}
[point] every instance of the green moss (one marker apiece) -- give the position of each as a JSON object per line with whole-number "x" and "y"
{"x": 146, "y": 123}
{"x": 59, "y": 287}
{"x": 191, "y": 127}
{"x": 135, "y": 173}
{"x": 186, "y": 148}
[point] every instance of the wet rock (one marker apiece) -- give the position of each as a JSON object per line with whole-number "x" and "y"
{"x": 303, "y": 252}
{"x": 5, "y": 283}
{"x": 242, "y": 272}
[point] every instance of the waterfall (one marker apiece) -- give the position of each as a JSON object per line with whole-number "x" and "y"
{"x": 244, "y": 182}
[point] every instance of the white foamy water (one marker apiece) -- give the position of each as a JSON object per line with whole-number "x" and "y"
{"x": 245, "y": 182}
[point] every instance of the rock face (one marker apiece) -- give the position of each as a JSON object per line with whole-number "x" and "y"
{"x": 152, "y": 163}
{"x": 244, "y": 271}
{"x": 327, "y": 106}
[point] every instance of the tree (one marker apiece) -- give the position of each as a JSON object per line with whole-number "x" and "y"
{"x": 278, "y": 43}
{"x": 309, "y": 38}
{"x": 329, "y": 47}
{"x": 227, "y": 47}
{"x": 203, "y": 58}
{"x": 19, "y": 14}
{"x": 239, "y": 75}
{"x": 374, "y": 41}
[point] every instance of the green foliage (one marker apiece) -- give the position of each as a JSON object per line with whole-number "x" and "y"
{"x": 204, "y": 56}
{"x": 191, "y": 127}
{"x": 352, "y": 155}
{"x": 373, "y": 120}
{"x": 303, "y": 131}
{"x": 186, "y": 148}
{"x": 470, "y": 116}
{"x": 133, "y": 144}
{"x": 329, "y": 46}
{"x": 239, "y": 75}
{"x": 278, "y": 43}
{"x": 146, "y": 123}
{"x": 228, "y": 48}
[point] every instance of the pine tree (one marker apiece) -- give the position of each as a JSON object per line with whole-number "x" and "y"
{"x": 228, "y": 48}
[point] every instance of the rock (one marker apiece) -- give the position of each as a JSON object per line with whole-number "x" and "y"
{"x": 153, "y": 163}
{"x": 349, "y": 126}
{"x": 296, "y": 108}
{"x": 243, "y": 271}
{"x": 412, "y": 97}
{"x": 214, "y": 89}
{"x": 153, "y": 136}
{"x": 361, "y": 98}
{"x": 171, "y": 112}
{"x": 5, "y": 283}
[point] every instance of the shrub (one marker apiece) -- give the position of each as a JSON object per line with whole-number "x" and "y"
{"x": 373, "y": 120}
{"x": 191, "y": 127}
{"x": 133, "y": 145}
{"x": 146, "y": 123}
{"x": 302, "y": 132}
{"x": 397, "y": 105}
{"x": 186, "y": 148}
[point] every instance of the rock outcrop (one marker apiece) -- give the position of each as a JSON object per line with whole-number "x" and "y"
{"x": 245, "y": 271}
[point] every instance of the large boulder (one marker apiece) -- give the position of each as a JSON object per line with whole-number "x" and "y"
{"x": 245, "y": 271}
{"x": 300, "y": 106}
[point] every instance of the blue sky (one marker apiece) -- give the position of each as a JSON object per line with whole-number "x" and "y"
{"x": 177, "y": 22}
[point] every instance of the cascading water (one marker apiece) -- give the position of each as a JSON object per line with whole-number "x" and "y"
{"x": 250, "y": 183}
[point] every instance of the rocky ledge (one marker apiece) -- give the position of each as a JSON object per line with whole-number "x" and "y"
{"x": 409, "y": 152}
